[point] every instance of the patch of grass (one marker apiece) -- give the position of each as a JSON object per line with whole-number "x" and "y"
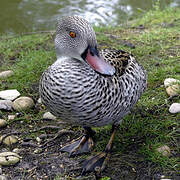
{"x": 151, "y": 125}
{"x": 157, "y": 45}
{"x": 28, "y": 56}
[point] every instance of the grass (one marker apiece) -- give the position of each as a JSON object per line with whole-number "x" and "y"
{"x": 156, "y": 37}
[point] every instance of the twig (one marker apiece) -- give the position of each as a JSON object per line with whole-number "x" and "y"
{"x": 29, "y": 144}
{"x": 60, "y": 133}
{"x": 34, "y": 168}
{"x": 46, "y": 127}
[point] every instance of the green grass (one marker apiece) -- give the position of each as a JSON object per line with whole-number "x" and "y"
{"x": 150, "y": 125}
{"x": 28, "y": 57}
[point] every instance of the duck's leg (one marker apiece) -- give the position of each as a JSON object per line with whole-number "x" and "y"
{"x": 97, "y": 163}
{"x": 81, "y": 145}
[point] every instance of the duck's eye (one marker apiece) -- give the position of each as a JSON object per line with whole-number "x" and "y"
{"x": 72, "y": 34}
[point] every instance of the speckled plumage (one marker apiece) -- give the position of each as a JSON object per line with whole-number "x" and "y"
{"x": 79, "y": 95}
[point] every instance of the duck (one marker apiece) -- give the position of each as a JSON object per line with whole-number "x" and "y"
{"x": 89, "y": 87}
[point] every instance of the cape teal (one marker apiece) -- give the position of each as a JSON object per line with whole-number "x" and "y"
{"x": 88, "y": 87}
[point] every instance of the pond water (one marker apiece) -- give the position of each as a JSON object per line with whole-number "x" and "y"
{"x": 17, "y": 16}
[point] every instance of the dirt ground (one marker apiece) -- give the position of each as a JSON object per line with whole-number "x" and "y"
{"x": 44, "y": 161}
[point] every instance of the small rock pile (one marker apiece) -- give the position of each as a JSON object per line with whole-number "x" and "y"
{"x": 173, "y": 89}
{"x": 10, "y": 100}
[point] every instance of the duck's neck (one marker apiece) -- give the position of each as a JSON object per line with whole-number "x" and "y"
{"x": 66, "y": 58}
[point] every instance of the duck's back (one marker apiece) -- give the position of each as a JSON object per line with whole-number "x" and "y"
{"x": 77, "y": 94}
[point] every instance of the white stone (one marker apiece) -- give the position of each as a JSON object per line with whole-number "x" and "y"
{"x": 10, "y": 94}
{"x": 3, "y": 123}
{"x": 48, "y": 115}
{"x": 23, "y": 103}
{"x": 2, "y": 177}
{"x": 6, "y": 74}
{"x": 9, "y": 158}
{"x": 164, "y": 150}
{"x": 17, "y": 150}
{"x": 6, "y": 105}
{"x": 170, "y": 81}
{"x": 173, "y": 90}
{"x": 9, "y": 140}
{"x": 174, "y": 108}
{"x": 11, "y": 117}
{"x": 39, "y": 101}
{"x": 38, "y": 139}
{"x": 37, "y": 151}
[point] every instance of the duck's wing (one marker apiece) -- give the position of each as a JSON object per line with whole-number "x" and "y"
{"x": 118, "y": 58}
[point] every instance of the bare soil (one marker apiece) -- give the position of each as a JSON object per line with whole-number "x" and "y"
{"x": 44, "y": 161}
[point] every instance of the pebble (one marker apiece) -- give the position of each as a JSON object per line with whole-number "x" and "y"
{"x": 17, "y": 150}
{"x": 164, "y": 150}
{"x": 3, "y": 123}
{"x": 174, "y": 108}
{"x": 6, "y": 74}
{"x": 49, "y": 116}
{"x": 9, "y": 158}
{"x": 38, "y": 151}
{"x": 39, "y": 101}
{"x": 6, "y": 105}
{"x": 10, "y": 94}
{"x": 170, "y": 81}
{"x": 9, "y": 140}
{"x": 173, "y": 90}
{"x": 38, "y": 139}
{"x": 2, "y": 177}
{"x": 11, "y": 117}
{"x": 23, "y": 103}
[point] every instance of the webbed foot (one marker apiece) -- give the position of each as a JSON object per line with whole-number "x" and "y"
{"x": 79, "y": 146}
{"x": 96, "y": 163}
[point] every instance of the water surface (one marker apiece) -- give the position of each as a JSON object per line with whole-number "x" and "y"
{"x": 17, "y": 16}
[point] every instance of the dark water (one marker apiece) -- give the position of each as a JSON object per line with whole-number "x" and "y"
{"x": 17, "y": 16}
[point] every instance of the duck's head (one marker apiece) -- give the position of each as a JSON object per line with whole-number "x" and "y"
{"x": 75, "y": 38}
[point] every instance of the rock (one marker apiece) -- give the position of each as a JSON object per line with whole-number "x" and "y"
{"x": 38, "y": 151}
{"x": 6, "y": 105}
{"x": 164, "y": 150}
{"x": 39, "y": 101}
{"x": 49, "y": 116}
{"x": 170, "y": 81}
{"x": 9, "y": 140}
{"x": 174, "y": 108}
{"x": 9, "y": 158}
{"x": 2, "y": 177}
{"x": 38, "y": 139}
{"x": 23, "y": 103}
{"x": 17, "y": 150}
{"x": 6, "y": 74}
{"x": 173, "y": 90}
{"x": 9, "y": 94}
{"x": 11, "y": 117}
{"x": 3, "y": 123}
{"x": 128, "y": 44}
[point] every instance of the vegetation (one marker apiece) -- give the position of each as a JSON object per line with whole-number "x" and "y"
{"x": 156, "y": 38}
